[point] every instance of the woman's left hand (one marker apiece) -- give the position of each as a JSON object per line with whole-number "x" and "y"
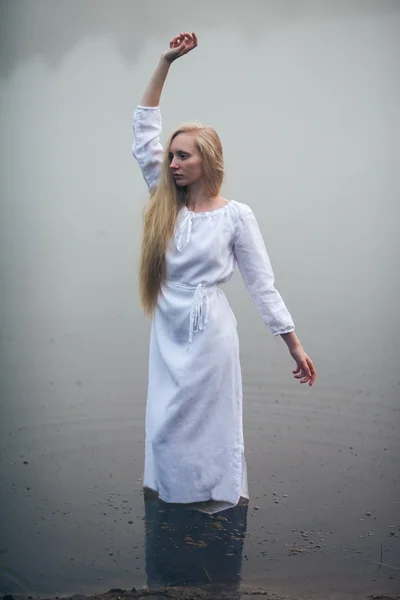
{"x": 305, "y": 370}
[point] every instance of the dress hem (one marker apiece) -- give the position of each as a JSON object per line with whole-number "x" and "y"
{"x": 214, "y": 505}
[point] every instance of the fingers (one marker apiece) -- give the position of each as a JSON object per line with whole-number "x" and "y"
{"x": 305, "y": 371}
{"x": 178, "y": 39}
{"x": 189, "y": 36}
{"x": 313, "y": 372}
{"x": 176, "y": 45}
{"x": 183, "y": 37}
{"x": 180, "y": 45}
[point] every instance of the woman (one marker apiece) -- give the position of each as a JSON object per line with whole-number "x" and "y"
{"x": 192, "y": 238}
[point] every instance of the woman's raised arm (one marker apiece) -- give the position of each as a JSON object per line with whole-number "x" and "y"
{"x": 147, "y": 121}
{"x": 181, "y": 44}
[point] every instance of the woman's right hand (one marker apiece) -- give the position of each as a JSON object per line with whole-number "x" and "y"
{"x": 179, "y": 45}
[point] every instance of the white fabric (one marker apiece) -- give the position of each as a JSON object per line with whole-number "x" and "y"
{"x": 194, "y": 429}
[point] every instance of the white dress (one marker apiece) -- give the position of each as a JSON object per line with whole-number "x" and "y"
{"x": 194, "y": 430}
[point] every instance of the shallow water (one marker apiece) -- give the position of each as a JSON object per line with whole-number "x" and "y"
{"x": 323, "y": 470}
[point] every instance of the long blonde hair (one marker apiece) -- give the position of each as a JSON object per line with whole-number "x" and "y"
{"x": 166, "y": 200}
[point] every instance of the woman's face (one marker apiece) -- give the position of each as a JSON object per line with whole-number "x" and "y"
{"x": 185, "y": 161}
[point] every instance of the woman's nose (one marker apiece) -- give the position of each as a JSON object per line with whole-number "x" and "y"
{"x": 173, "y": 164}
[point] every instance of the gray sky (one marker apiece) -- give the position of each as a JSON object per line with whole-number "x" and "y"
{"x": 305, "y": 96}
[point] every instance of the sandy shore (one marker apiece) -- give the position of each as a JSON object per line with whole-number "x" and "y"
{"x": 212, "y": 593}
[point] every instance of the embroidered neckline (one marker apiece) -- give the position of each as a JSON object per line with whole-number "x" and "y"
{"x": 208, "y": 212}
{"x": 185, "y": 225}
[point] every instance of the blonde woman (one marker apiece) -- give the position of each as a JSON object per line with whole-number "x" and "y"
{"x": 192, "y": 239}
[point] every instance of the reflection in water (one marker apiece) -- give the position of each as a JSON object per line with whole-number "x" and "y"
{"x": 185, "y": 547}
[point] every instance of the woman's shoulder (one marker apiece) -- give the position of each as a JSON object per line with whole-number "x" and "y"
{"x": 240, "y": 210}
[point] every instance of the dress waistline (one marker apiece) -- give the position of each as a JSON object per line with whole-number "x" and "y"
{"x": 200, "y": 309}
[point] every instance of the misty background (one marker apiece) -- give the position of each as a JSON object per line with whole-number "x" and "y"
{"x": 305, "y": 96}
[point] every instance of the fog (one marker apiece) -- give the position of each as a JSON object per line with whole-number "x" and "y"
{"x": 305, "y": 97}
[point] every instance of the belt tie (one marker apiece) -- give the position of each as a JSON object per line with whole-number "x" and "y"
{"x": 199, "y": 312}
{"x": 200, "y": 308}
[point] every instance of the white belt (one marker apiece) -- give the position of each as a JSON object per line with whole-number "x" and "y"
{"x": 200, "y": 309}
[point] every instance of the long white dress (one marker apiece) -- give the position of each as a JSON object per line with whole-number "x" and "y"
{"x": 194, "y": 430}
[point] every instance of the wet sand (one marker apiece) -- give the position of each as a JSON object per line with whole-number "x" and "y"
{"x": 199, "y": 593}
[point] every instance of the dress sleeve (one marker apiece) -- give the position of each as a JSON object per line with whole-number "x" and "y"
{"x": 255, "y": 267}
{"x": 146, "y": 148}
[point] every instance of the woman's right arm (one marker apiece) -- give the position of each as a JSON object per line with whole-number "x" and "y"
{"x": 147, "y": 121}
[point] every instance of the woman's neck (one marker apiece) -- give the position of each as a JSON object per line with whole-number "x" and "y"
{"x": 200, "y": 201}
